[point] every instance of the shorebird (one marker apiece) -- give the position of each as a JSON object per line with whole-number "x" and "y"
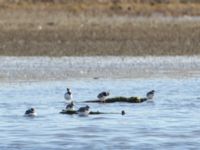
{"x": 68, "y": 95}
{"x": 150, "y": 94}
{"x": 83, "y": 111}
{"x": 70, "y": 106}
{"x": 123, "y": 112}
{"x": 30, "y": 112}
{"x": 102, "y": 96}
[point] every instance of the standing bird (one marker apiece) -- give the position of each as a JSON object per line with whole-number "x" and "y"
{"x": 150, "y": 94}
{"x": 102, "y": 96}
{"x": 30, "y": 112}
{"x": 70, "y": 106}
{"x": 68, "y": 95}
{"x": 84, "y": 111}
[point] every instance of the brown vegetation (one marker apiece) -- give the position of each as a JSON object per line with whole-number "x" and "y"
{"x": 79, "y": 28}
{"x": 122, "y": 7}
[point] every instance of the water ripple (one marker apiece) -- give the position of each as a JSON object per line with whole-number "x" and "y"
{"x": 171, "y": 121}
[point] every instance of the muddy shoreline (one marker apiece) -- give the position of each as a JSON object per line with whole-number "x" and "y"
{"x": 63, "y": 68}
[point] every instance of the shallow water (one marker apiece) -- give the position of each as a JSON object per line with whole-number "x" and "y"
{"x": 170, "y": 122}
{"x": 62, "y": 68}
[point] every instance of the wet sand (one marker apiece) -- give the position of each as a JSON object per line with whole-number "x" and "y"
{"x": 63, "y": 68}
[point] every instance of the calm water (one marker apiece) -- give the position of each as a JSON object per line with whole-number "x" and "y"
{"x": 172, "y": 121}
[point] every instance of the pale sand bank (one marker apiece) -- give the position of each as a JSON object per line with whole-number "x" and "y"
{"x": 61, "y": 68}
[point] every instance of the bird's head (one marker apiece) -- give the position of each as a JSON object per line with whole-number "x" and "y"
{"x": 32, "y": 110}
{"x": 87, "y": 107}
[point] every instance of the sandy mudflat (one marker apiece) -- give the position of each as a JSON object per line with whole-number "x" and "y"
{"x": 59, "y": 68}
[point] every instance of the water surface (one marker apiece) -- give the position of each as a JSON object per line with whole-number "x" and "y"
{"x": 170, "y": 122}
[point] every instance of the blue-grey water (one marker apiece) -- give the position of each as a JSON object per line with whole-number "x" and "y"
{"x": 172, "y": 121}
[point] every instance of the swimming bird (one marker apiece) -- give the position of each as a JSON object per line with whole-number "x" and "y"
{"x": 83, "y": 111}
{"x": 150, "y": 94}
{"x": 68, "y": 95}
{"x": 30, "y": 112}
{"x": 102, "y": 96}
{"x": 123, "y": 112}
{"x": 70, "y": 106}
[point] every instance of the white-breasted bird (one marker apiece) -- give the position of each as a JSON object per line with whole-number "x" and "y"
{"x": 102, "y": 96}
{"x": 150, "y": 94}
{"x": 30, "y": 112}
{"x": 68, "y": 95}
{"x": 84, "y": 111}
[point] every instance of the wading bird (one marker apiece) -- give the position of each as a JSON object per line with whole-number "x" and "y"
{"x": 102, "y": 96}
{"x": 83, "y": 111}
{"x": 150, "y": 94}
{"x": 68, "y": 95}
{"x": 30, "y": 112}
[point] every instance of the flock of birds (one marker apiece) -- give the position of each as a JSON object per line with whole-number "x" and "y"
{"x": 82, "y": 111}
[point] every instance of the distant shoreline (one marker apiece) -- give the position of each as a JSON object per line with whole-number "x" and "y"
{"x": 58, "y": 28}
{"x": 109, "y": 7}
{"x": 56, "y": 33}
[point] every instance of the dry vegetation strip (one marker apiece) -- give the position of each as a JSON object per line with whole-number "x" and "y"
{"x": 98, "y": 27}
{"x": 45, "y": 34}
{"x": 131, "y": 7}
